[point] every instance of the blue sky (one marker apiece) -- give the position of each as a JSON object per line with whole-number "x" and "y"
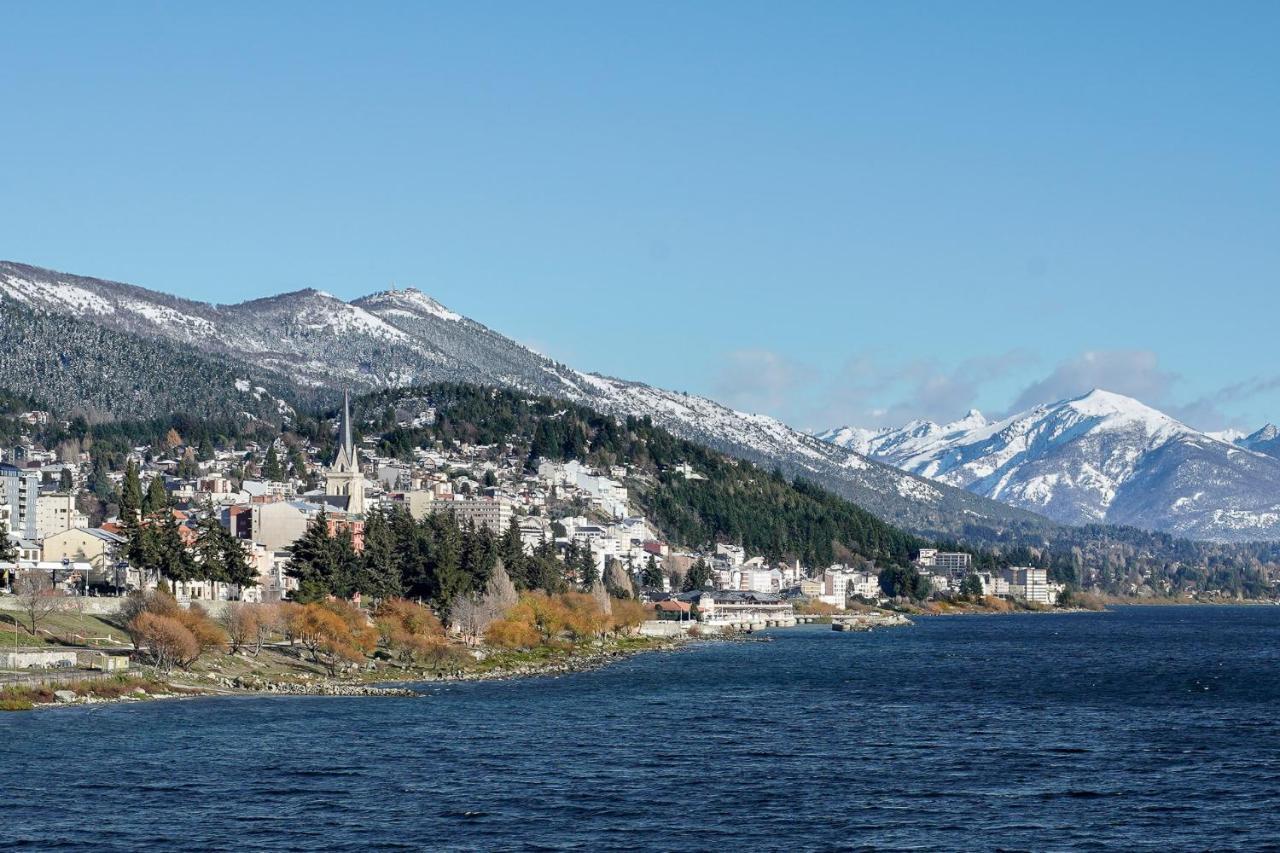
{"x": 832, "y": 212}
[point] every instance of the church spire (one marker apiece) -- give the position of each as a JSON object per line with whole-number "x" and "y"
{"x": 348, "y": 446}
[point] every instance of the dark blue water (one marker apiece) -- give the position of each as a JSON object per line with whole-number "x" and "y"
{"x": 1145, "y": 728}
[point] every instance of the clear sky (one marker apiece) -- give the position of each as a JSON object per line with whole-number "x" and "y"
{"x": 831, "y": 212}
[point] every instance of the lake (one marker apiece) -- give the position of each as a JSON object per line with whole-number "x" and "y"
{"x": 1144, "y": 728}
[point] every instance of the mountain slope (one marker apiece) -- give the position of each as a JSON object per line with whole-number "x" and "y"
{"x": 1102, "y": 457}
{"x": 1265, "y": 440}
{"x": 318, "y": 344}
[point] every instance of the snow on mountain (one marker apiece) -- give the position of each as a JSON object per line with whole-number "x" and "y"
{"x": 1102, "y": 457}
{"x": 1265, "y": 440}
{"x": 403, "y": 337}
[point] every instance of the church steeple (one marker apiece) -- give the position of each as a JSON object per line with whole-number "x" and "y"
{"x": 344, "y": 478}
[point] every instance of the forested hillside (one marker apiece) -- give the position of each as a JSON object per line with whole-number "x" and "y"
{"x": 84, "y": 368}
{"x": 726, "y": 500}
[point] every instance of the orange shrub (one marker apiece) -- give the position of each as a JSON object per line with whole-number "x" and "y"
{"x": 206, "y": 632}
{"x": 512, "y": 634}
{"x": 584, "y": 618}
{"x": 167, "y": 640}
{"x": 628, "y": 614}
{"x": 332, "y": 632}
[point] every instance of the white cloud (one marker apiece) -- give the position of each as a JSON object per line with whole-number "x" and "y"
{"x": 760, "y": 380}
{"x": 1134, "y": 373}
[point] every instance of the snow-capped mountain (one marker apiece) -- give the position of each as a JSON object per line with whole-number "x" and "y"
{"x": 1102, "y": 457}
{"x": 313, "y": 340}
{"x": 1265, "y": 440}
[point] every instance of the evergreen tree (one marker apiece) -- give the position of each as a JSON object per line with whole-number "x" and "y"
{"x": 447, "y": 579}
{"x": 514, "y": 560}
{"x": 272, "y": 469}
{"x": 169, "y": 556}
{"x": 209, "y": 547}
{"x": 698, "y": 576}
{"x": 298, "y": 463}
{"x": 971, "y": 586}
{"x": 312, "y": 561}
{"x": 156, "y": 498}
{"x": 381, "y": 571}
{"x": 130, "y": 496}
{"x": 65, "y": 483}
{"x": 587, "y": 574}
{"x": 651, "y": 577}
{"x": 345, "y": 564}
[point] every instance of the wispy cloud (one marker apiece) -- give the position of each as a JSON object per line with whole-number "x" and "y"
{"x": 761, "y": 380}
{"x": 1134, "y": 373}
{"x": 872, "y": 389}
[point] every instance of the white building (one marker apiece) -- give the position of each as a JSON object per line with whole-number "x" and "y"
{"x": 57, "y": 512}
{"x": 1031, "y": 585}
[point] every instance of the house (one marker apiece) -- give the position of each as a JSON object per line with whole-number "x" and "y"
{"x": 93, "y": 545}
{"x": 674, "y": 610}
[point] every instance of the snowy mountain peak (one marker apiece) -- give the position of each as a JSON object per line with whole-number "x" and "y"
{"x": 1108, "y": 404}
{"x": 1268, "y": 433}
{"x": 1100, "y": 457}
{"x": 408, "y": 299}
{"x": 973, "y": 418}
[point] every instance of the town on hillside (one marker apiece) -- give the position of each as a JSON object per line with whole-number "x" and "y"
{"x": 263, "y": 500}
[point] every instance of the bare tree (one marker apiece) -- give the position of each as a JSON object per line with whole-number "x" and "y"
{"x": 38, "y": 597}
{"x": 472, "y": 615}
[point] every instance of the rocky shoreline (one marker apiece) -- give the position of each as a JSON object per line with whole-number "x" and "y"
{"x": 588, "y": 661}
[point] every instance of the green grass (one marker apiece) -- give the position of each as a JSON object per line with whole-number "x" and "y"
{"x": 70, "y": 628}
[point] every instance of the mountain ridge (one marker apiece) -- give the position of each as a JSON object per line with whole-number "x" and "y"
{"x": 1100, "y": 457}
{"x": 318, "y": 344}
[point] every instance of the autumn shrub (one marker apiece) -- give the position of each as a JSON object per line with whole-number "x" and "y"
{"x": 628, "y": 615}
{"x": 584, "y": 619}
{"x": 156, "y": 601}
{"x": 542, "y": 619}
{"x": 207, "y": 633}
{"x": 411, "y": 631}
{"x": 512, "y": 634}
{"x": 240, "y": 621}
{"x": 334, "y": 632}
{"x": 287, "y": 613}
{"x": 814, "y": 607}
{"x": 167, "y": 640}
{"x": 546, "y": 614}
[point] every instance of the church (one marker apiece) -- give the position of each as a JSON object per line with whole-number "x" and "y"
{"x": 344, "y": 481}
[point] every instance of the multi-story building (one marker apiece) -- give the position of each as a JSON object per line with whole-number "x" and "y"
{"x": 1030, "y": 584}
{"x": 19, "y": 490}
{"x": 493, "y": 513}
{"x": 993, "y": 584}
{"x": 954, "y": 565}
{"x": 57, "y": 512}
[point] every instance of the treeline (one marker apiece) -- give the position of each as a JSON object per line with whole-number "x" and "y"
{"x": 1125, "y": 560}
{"x": 434, "y": 559}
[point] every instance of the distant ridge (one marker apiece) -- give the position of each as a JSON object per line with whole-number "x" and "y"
{"x": 1101, "y": 457}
